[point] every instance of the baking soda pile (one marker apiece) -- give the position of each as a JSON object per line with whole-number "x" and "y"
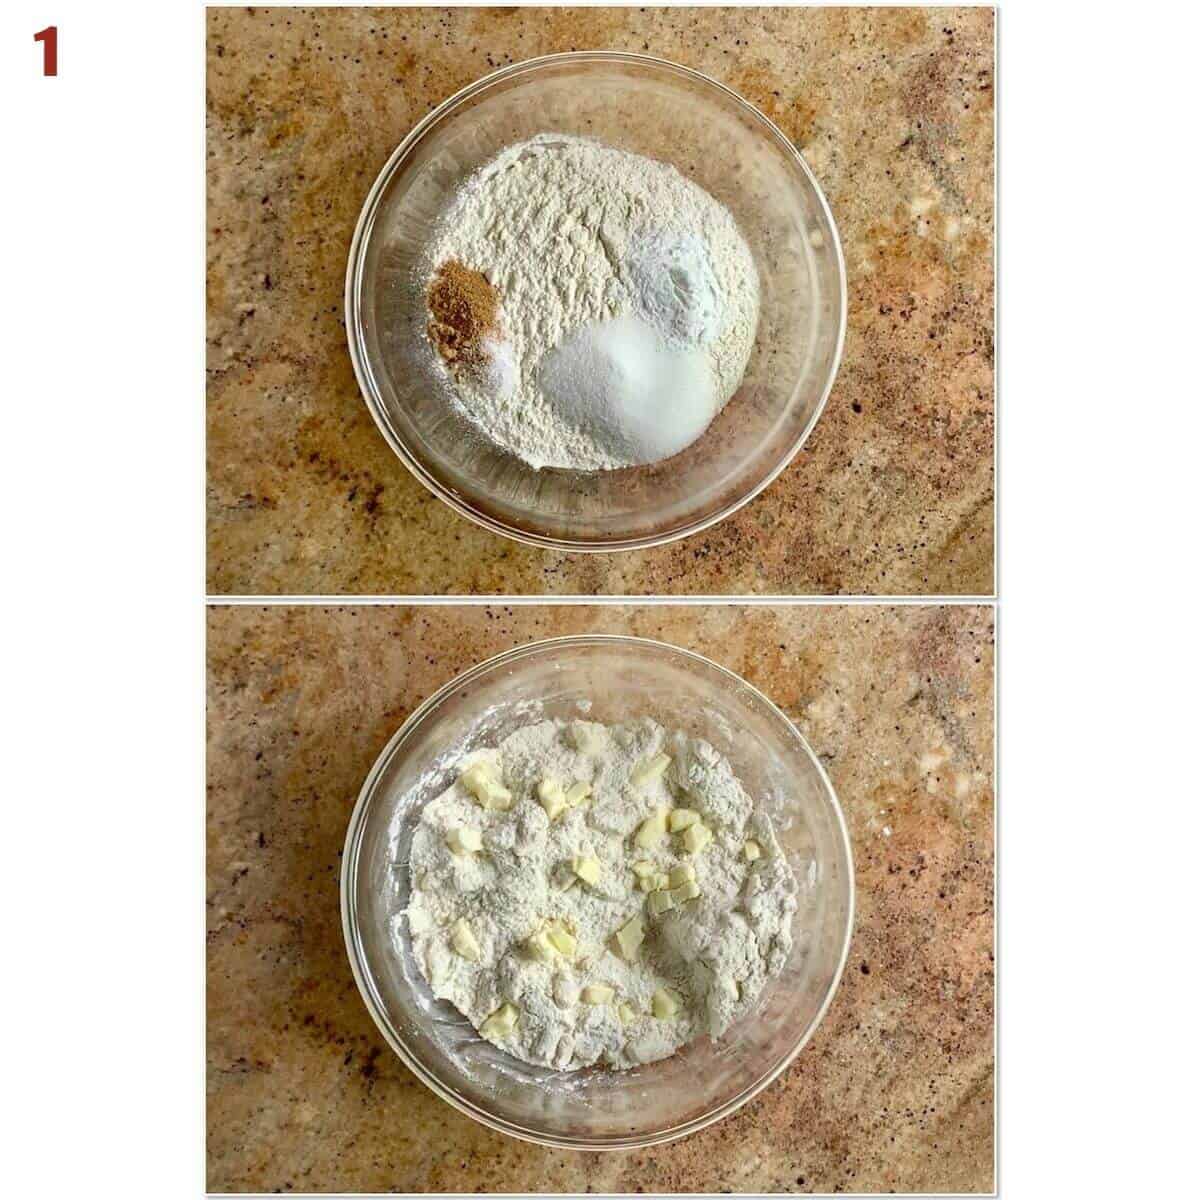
{"x": 627, "y": 303}
{"x": 590, "y": 894}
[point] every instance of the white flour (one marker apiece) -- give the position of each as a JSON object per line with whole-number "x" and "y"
{"x": 572, "y": 233}
{"x": 712, "y": 954}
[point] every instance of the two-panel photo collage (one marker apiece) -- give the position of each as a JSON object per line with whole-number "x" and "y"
{"x": 600, "y": 633}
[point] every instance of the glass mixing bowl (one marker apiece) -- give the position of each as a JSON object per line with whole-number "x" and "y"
{"x": 611, "y": 679}
{"x": 712, "y": 136}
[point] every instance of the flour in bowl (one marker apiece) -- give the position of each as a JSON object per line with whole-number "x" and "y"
{"x": 588, "y": 894}
{"x": 605, "y": 266}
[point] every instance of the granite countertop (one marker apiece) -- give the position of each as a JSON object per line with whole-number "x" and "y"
{"x": 893, "y": 110}
{"x": 895, "y": 1090}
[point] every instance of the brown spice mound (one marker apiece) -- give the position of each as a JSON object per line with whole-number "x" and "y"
{"x": 462, "y": 306}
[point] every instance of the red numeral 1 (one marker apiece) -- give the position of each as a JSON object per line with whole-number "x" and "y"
{"x": 49, "y": 39}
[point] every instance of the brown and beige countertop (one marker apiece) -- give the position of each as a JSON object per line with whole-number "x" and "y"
{"x": 893, "y": 110}
{"x": 895, "y": 1090}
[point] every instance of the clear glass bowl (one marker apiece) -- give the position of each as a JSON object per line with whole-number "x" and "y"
{"x": 711, "y": 135}
{"x": 612, "y": 679}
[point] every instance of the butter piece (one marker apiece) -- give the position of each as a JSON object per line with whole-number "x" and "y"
{"x": 561, "y": 939}
{"x": 588, "y": 869}
{"x": 480, "y": 780}
{"x": 681, "y": 818}
{"x": 596, "y": 993}
{"x": 649, "y": 883}
{"x": 663, "y": 1005}
{"x": 551, "y": 797}
{"x": 681, "y": 874}
{"x": 658, "y": 903}
{"x": 462, "y": 938}
{"x": 464, "y": 840}
{"x": 644, "y": 868}
{"x": 649, "y": 770}
{"x": 586, "y": 738}
{"x": 541, "y": 948}
{"x": 629, "y": 938}
{"x": 501, "y": 1023}
{"x": 652, "y": 830}
{"x": 577, "y": 793}
{"x": 696, "y": 837}
{"x": 686, "y": 891}
{"x": 751, "y": 850}
{"x": 626, "y": 1012}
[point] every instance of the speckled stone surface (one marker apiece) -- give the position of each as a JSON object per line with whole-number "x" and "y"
{"x": 894, "y": 1092}
{"x": 893, "y": 110}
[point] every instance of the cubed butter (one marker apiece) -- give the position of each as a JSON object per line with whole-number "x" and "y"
{"x": 681, "y": 874}
{"x": 501, "y": 1023}
{"x": 686, "y": 891}
{"x": 462, "y": 938}
{"x": 652, "y": 830}
{"x": 596, "y": 993}
{"x": 648, "y": 770}
{"x": 658, "y": 903}
{"x": 696, "y": 837}
{"x": 481, "y": 781}
{"x": 577, "y": 793}
{"x": 752, "y": 850}
{"x": 541, "y": 948}
{"x": 626, "y": 1012}
{"x": 587, "y": 738}
{"x": 561, "y": 939}
{"x": 681, "y": 818}
{"x": 663, "y": 1005}
{"x": 464, "y": 840}
{"x": 644, "y": 868}
{"x": 551, "y": 797}
{"x": 629, "y": 938}
{"x": 588, "y": 869}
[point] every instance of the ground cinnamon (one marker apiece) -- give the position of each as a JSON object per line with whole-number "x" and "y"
{"x": 463, "y": 308}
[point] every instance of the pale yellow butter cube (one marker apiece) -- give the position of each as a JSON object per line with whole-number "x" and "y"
{"x": 626, "y": 1012}
{"x": 596, "y": 993}
{"x": 630, "y": 937}
{"x": 644, "y": 868}
{"x": 588, "y": 869}
{"x": 551, "y": 797}
{"x": 464, "y": 840}
{"x": 752, "y": 850}
{"x": 561, "y": 939}
{"x": 541, "y": 948}
{"x": 501, "y": 1023}
{"x": 663, "y": 1005}
{"x": 648, "y": 770}
{"x": 577, "y": 793}
{"x": 696, "y": 837}
{"x": 462, "y": 938}
{"x": 686, "y": 891}
{"x": 681, "y": 874}
{"x": 652, "y": 830}
{"x": 681, "y": 818}
{"x": 658, "y": 903}
{"x": 481, "y": 781}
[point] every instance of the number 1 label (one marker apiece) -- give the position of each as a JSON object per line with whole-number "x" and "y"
{"x": 49, "y": 39}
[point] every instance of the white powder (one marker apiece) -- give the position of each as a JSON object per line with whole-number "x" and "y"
{"x": 714, "y": 953}
{"x": 640, "y": 399}
{"x": 573, "y": 234}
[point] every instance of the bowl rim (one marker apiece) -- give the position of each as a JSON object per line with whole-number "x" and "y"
{"x": 356, "y": 336}
{"x": 366, "y": 990}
